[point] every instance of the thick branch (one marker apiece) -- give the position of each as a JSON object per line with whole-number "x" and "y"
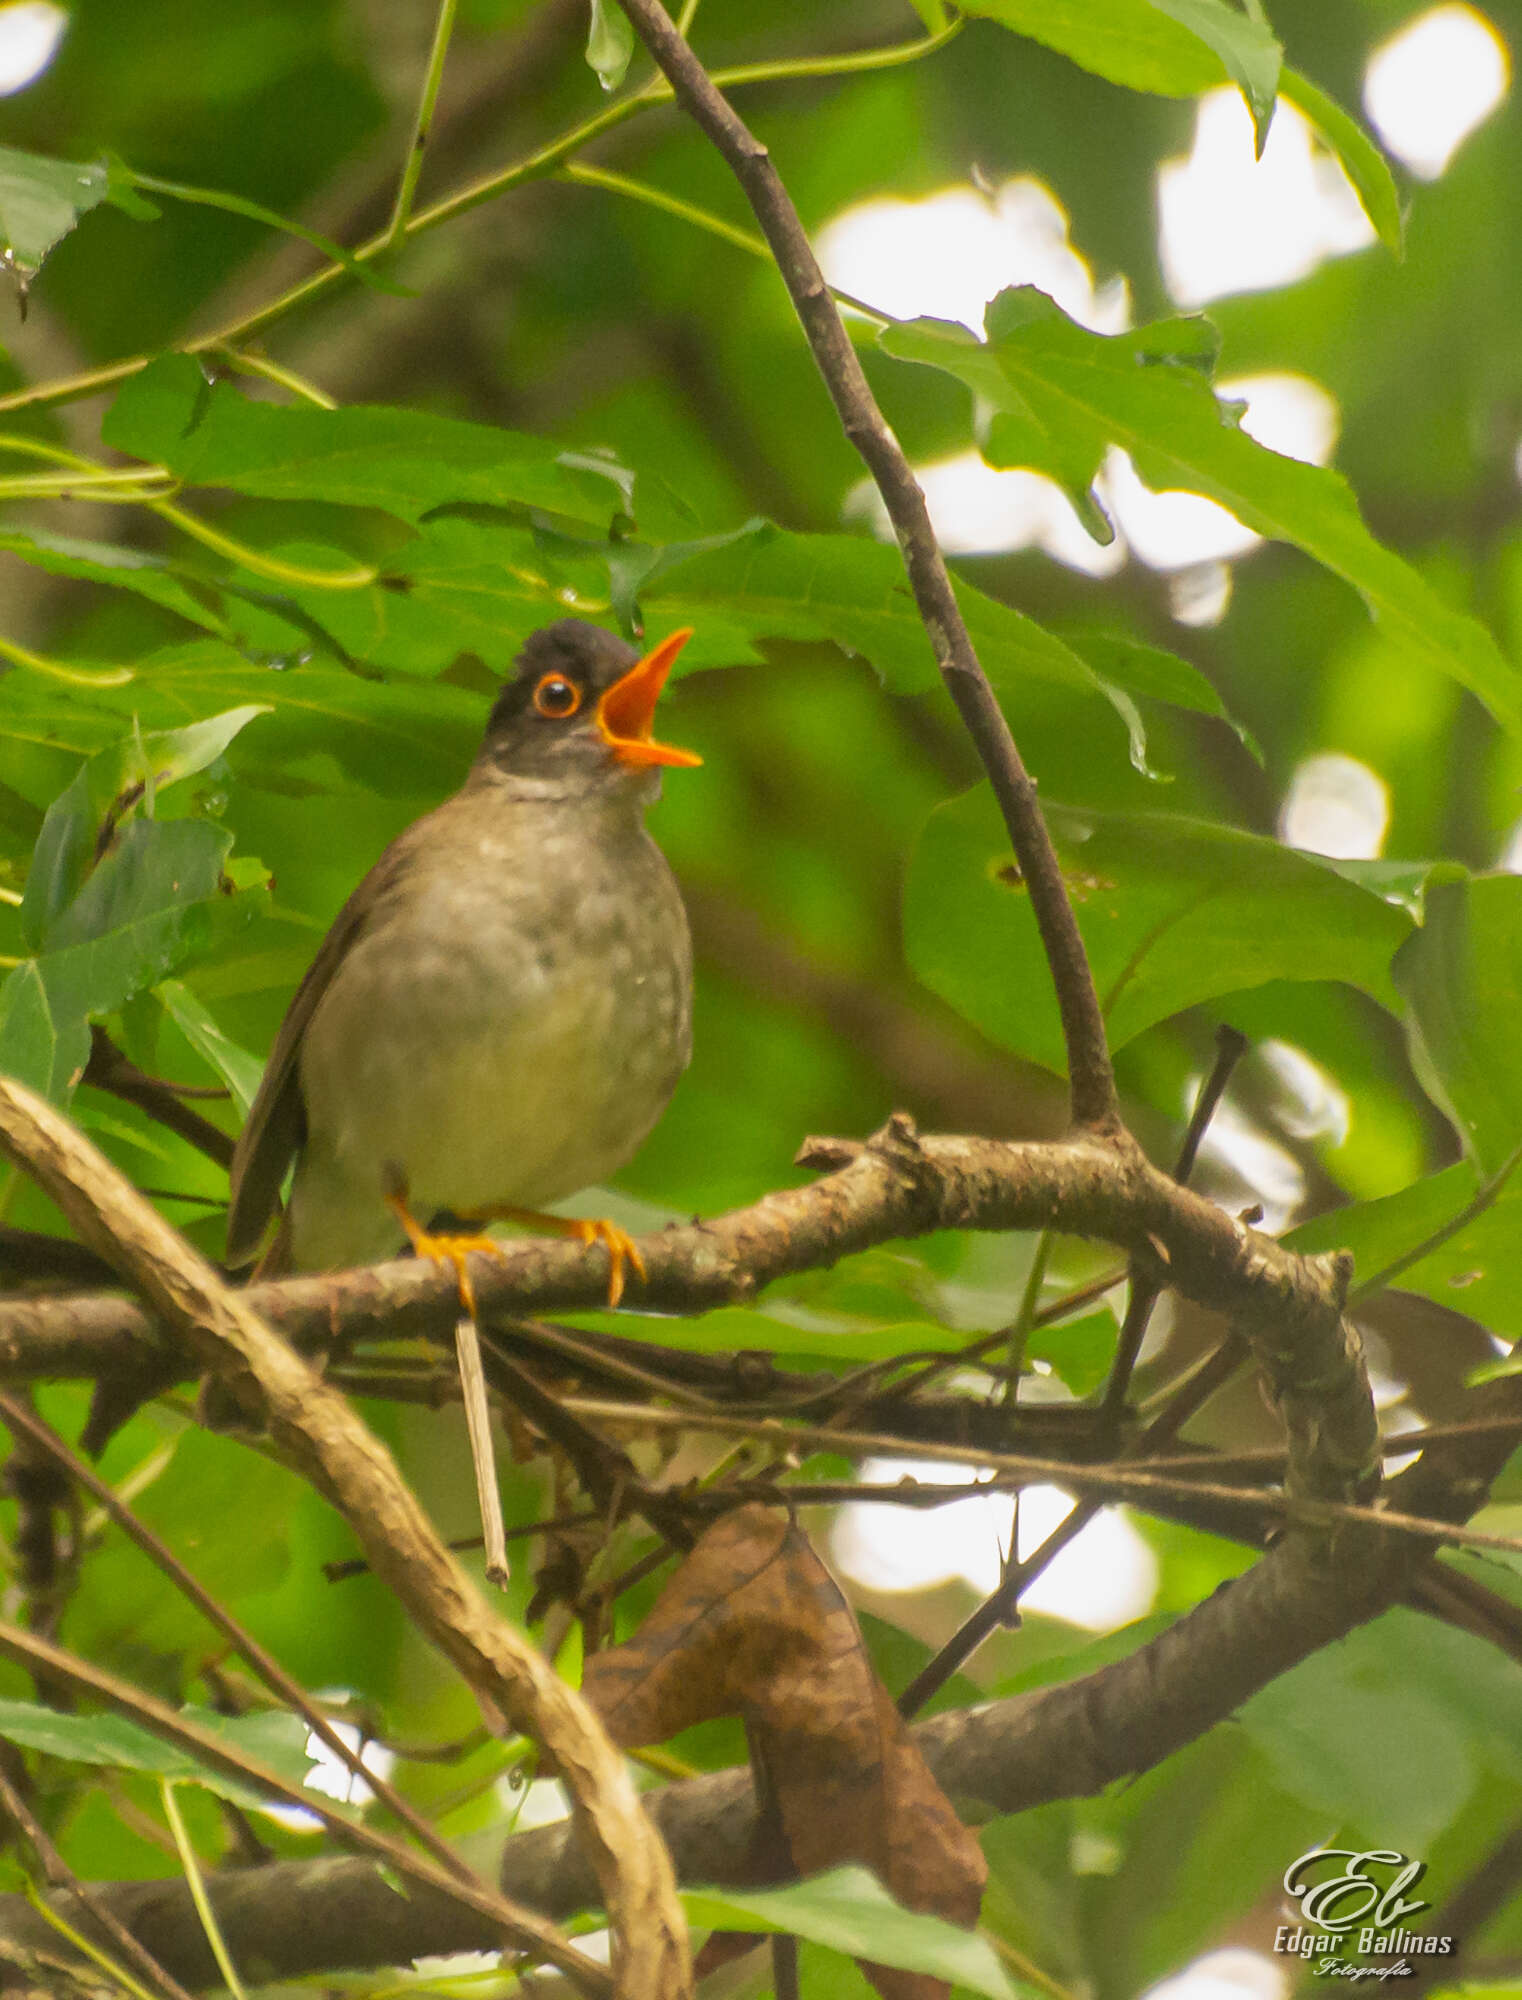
{"x": 1093, "y": 1082}
{"x": 317, "y": 1430}
{"x": 895, "y": 1185}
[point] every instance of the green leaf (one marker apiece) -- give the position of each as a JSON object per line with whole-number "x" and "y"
{"x": 1440, "y": 1238}
{"x": 852, "y": 591}
{"x": 1078, "y": 1351}
{"x": 465, "y": 586}
{"x": 1066, "y": 395}
{"x": 41, "y": 200}
{"x": 1173, "y": 911}
{"x": 1362, "y": 161}
{"x": 239, "y": 1070}
{"x": 272, "y": 1737}
{"x": 35, "y": 1046}
{"x": 120, "y": 568}
{"x": 1328, "y": 1724}
{"x": 1249, "y": 53}
{"x": 405, "y": 462}
{"x": 1461, "y": 975}
{"x": 110, "y": 785}
{"x": 141, "y": 913}
{"x": 1174, "y": 48}
{"x": 1154, "y": 674}
{"x": 850, "y": 1910}
{"x": 610, "y": 43}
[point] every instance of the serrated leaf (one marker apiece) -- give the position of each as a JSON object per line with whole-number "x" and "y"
{"x": 41, "y": 200}
{"x": 849, "y": 1910}
{"x": 405, "y": 462}
{"x": 1174, "y": 48}
{"x": 1087, "y": 390}
{"x": 853, "y": 592}
{"x": 1173, "y": 911}
{"x": 119, "y": 568}
{"x": 1362, "y": 161}
{"x": 138, "y": 916}
{"x": 1461, "y": 976}
{"x": 112, "y": 783}
{"x": 1154, "y": 674}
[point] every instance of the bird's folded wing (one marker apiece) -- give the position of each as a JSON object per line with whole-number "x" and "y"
{"x": 276, "y": 1125}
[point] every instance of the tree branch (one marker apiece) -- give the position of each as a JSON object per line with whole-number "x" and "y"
{"x": 896, "y": 1184}
{"x": 1092, "y": 1079}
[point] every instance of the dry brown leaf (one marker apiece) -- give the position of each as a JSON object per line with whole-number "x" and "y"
{"x": 754, "y": 1625}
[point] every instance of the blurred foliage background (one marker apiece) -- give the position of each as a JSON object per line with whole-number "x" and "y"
{"x": 1384, "y": 1088}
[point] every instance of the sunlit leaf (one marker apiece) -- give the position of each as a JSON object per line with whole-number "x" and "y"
{"x": 1176, "y": 48}
{"x": 849, "y": 1910}
{"x": 406, "y": 462}
{"x": 1362, "y": 161}
{"x": 1461, "y": 975}
{"x": 1173, "y": 911}
{"x": 1065, "y": 395}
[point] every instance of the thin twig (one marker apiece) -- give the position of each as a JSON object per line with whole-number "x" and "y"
{"x": 1089, "y": 1070}
{"x": 1000, "y": 1606}
{"x": 195, "y": 1881}
{"x": 1231, "y": 1046}
{"x": 483, "y": 1457}
{"x": 422, "y": 124}
{"x": 111, "y": 1070}
{"x": 1117, "y": 1480}
{"x": 218, "y": 1755}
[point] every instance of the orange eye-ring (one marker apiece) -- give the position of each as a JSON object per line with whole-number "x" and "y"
{"x": 557, "y": 697}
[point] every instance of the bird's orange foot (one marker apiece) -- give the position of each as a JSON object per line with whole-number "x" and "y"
{"x": 619, "y": 1244}
{"x": 621, "y": 1248}
{"x": 444, "y": 1249}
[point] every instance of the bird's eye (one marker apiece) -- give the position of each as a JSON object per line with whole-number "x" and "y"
{"x": 557, "y": 697}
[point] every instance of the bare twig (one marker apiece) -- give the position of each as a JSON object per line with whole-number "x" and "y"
{"x": 1230, "y": 1049}
{"x": 110, "y": 1070}
{"x": 1093, "y": 1083}
{"x": 483, "y": 1458}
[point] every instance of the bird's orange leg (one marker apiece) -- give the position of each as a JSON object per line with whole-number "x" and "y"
{"x": 454, "y": 1249}
{"x": 443, "y": 1249}
{"x": 619, "y": 1244}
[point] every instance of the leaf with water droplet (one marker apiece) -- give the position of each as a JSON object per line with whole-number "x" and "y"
{"x": 610, "y": 43}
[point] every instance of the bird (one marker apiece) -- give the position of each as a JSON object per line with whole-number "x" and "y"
{"x": 502, "y": 1008}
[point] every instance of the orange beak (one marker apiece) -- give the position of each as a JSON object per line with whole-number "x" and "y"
{"x": 626, "y": 711}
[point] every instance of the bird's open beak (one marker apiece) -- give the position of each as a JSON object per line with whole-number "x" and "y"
{"x": 626, "y": 711}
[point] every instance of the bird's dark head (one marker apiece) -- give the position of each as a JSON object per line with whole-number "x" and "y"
{"x": 581, "y": 706}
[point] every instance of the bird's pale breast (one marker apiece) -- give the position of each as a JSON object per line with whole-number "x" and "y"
{"x": 506, "y": 1030}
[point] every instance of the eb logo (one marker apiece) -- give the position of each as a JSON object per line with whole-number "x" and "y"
{"x": 1364, "y": 1891}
